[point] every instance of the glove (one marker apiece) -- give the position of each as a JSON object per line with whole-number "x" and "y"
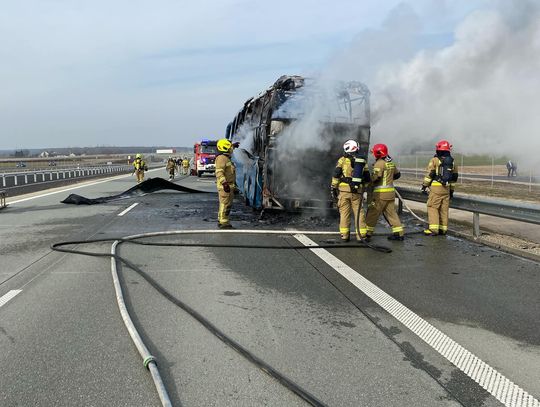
{"x": 226, "y": 187}
{"x": 424, "y": 190}
{"x": 451, "y": 193}
{"x": 334, "y": 194}
{"x": 236, "y": 145}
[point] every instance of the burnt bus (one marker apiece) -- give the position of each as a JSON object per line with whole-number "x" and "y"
{"x": 291, "y": 136}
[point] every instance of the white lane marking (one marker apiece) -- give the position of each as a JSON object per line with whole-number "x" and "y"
{"x": 503, "y": 389}
{"x": 75, "y": 187}
{"x": 6, "y": 297}
{"x": 128, "y": 209}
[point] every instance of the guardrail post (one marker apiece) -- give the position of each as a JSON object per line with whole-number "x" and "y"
{"x": 476, "y": 225}
{"x": 3, "y": 181}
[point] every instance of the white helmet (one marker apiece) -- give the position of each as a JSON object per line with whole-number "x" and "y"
{"x": 351, "y": 146}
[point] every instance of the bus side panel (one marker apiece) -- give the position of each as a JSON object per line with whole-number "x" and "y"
{"x": 248, "y": 177}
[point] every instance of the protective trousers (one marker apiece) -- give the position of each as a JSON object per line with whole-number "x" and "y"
{"x": 437, "y": 209}
{"x": 388, "y": 208}
{"x": 225, "y": 203}
{"x": 348, "y": 201}
{"x": 140, "y": 175}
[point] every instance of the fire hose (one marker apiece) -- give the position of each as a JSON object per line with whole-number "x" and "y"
{"x": 149, "y": 361}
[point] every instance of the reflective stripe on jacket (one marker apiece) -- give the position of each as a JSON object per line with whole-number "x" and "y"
{"x": 344, "y": 166}
{"x": 382, "y": 179}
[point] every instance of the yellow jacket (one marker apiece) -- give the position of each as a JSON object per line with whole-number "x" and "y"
{"x": 139, "y": 164}
{"x": 382, "y": 179}
{"x": 171, "y": 165}
{"x": 343, "y": 174}
{"x": 225, "y": 171}
{"x": 432, "y": 173}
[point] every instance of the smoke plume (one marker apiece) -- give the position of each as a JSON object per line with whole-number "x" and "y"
{"x": 481, "y": 92}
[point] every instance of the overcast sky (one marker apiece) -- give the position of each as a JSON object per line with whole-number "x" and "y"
{"x": 165, "y": 72}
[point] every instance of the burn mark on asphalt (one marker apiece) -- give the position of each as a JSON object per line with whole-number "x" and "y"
{"x": 4, "y": 332}
{"x": 234, "y": 305}
{"x": 466, "y": 389}
{"x": 391, "y": 332}
{"x": 459, "y": 386}
{"x": 343, "y": 323}
{"x": 232, "y": 293}
{"x": 417, "y": 360}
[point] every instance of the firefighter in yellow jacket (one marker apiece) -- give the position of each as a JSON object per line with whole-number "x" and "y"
{"x": 225, "y": 180}
{"x": 171, "y": 167}
{"x": 441, "y": 176}
{"x": 348, "y": 190}
{"x": 139, "y": 167}
{"x": 185, "y": 166}
{"x": 384, "y": 194}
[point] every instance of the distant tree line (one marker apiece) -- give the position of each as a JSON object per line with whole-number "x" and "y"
{"x": 99, "y": 150}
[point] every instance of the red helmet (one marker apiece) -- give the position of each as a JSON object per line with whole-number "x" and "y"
{"x": 443, "y": 145}
{"x": 379, "y": 151}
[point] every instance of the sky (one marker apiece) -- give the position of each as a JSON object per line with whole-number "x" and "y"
{"x": 166, "y": 72}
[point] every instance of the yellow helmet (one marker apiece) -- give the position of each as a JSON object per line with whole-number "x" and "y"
{"x": 139, "y": 155}
{"x": 224, "y": 145}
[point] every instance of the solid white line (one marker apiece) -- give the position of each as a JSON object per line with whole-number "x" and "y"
{"x": 128, "y": 209}
{"x": 462, "y": 359}
{"x": 72, "y": 188}
{"x": 6, "y": 297}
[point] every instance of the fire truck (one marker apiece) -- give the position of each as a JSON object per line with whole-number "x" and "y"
{"x": 205, "y": 153}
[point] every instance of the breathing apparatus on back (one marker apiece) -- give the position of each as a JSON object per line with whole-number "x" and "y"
{"x": 446, "y": 172}
{"x": 358, "y": 162}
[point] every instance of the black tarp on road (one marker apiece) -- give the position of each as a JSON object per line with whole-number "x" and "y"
{"x": 145, "y": 187}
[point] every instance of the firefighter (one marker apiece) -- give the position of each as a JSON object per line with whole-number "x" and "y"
{"x": 441, "y": 176}
{"x": 225, "y": 180}
{"x": 384, "y": 195}
{"x": 139, "y": 167}
{"x": 349, "y": 191}
{"x": 185, "y": 166}
{"x": 171, "y": 167}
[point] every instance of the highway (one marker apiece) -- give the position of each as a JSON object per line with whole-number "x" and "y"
{"x": 420, "y": 326}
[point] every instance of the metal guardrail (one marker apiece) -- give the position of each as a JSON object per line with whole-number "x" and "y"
{"x": 13, "y": 170}
{"x": 3, "y": 195}
{"x": 501, "y": 208}
{"x": 13, "y": 180}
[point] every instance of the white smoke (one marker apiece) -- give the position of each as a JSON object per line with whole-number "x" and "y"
{"x": 481, "y": 92}
{"x": 245, "y": 136}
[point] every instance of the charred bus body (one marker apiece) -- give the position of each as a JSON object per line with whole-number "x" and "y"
{"x": 291, "y": 136}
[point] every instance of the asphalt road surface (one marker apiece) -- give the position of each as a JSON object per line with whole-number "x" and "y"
{"x": 420, "y": 326}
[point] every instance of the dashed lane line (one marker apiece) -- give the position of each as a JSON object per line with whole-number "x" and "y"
{"x": 128, "y": 209}
{"x": 503, "y": 389}
{"x": 8, "y": 296}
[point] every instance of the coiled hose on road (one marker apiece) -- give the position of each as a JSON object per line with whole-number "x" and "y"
{"x": 148, "y": 360}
